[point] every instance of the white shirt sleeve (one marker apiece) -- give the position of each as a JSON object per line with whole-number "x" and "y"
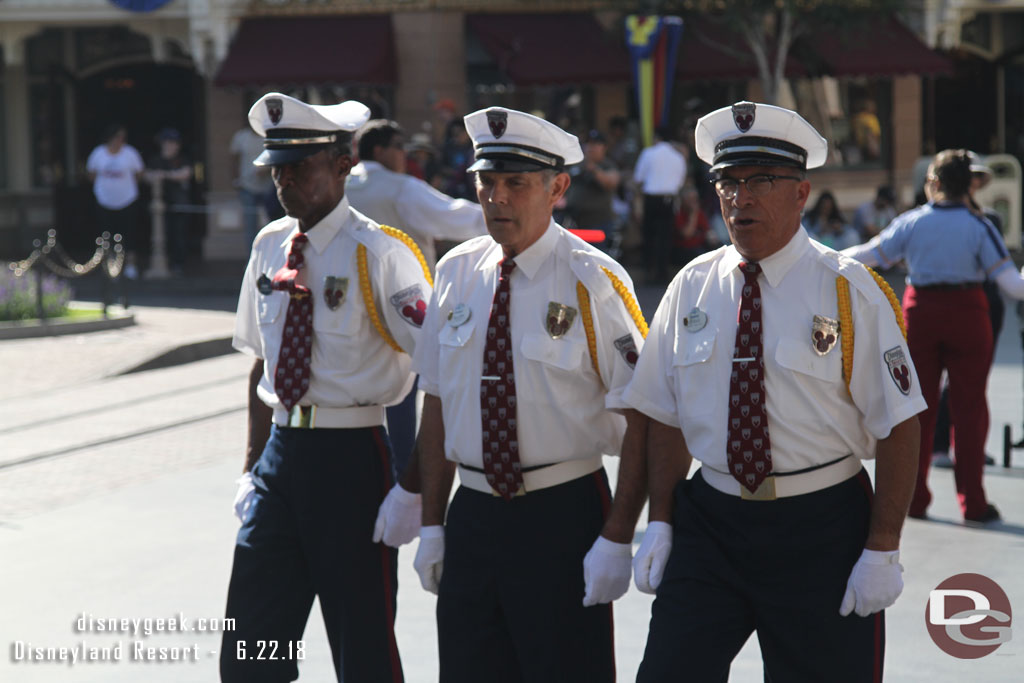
{"x": 619, "y": 343}
{"x": 429, "y": 212}
{"x": 402, "y": 293}
{"x": 652, "y": 388}
{"x": 247, "y": 333}
{"x": 640, "y": 172}
{"x": 425, "y": 360}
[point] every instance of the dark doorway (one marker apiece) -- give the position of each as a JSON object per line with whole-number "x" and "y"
{"x": 145, "y": 98}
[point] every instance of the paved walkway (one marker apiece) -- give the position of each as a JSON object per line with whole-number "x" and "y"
{"x": 115, "y": 497}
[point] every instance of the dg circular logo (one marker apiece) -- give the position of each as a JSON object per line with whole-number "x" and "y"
{"x": 968, "y": 616}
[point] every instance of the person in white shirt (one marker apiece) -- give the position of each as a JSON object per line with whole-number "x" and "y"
{"x": 659, "y": 173}
{"x": 528, "y": 341}
{"x": 779, "y": 364}
{"x": 380, "y": 188}
{"x": 252, "y": 181}
{"x": 114, "y": 168}
{"x": 330, "y": 308}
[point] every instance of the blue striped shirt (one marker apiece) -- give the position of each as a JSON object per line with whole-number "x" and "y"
{"x": 943, "y": 244}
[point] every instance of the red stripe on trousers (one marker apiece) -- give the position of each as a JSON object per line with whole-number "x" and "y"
{"x": 385, "y": 560}
{"x": 606, "y": 505}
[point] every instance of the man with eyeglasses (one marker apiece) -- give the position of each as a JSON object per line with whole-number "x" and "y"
{"x": 780, "y": 366}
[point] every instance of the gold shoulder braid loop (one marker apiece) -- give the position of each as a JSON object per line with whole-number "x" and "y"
{"x": 845, "y": 328}
{"x": 371, "y": 307}
{"x": 631, "y": 305}
{"x": 411, "y": 243}
{"x": 583, "y": 299}
{"x": 897, "y": 308}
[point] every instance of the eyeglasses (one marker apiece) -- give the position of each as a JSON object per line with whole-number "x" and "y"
{"x": 758, "y": 185}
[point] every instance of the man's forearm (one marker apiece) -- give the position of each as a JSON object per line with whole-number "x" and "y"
{"x": 631, "y": 487}
{"x": 668, "y": 461}
{"x": 896, "y": 460}
{"x": 260, "y": 418}
{"x": 436, "y": 472}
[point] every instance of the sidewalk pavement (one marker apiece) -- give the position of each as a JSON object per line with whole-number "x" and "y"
{"x": 121, "y": 507}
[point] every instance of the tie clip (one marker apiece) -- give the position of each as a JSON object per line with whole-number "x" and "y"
{"x": 743, "y": 360}
{"x": 493, "y": 378}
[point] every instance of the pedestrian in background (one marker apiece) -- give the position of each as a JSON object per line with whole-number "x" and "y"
{"x": 173, "y": 171}
{"x": 114, "y": 168}
{"x": 660, "y": 173}
{"x": 330, "y": 308}
{"x": 380, "y": 188}
{"x": 949, "y": 250}
{"x": 778, "y": 531}
{"x": 252, "y": 181}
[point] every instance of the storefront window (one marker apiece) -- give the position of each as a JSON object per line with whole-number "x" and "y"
{"x": 853, "y": 114}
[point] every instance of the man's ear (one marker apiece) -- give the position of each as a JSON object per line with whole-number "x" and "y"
{"x": 559, "y": 185}
{"x": 344, "y": 164}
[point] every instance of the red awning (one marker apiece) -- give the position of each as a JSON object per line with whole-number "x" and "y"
{"x": 551, "y": 49}
{"x": 323, "y": 49}
{"x": 883, "y": 48}
{"x": 710, "y": 51}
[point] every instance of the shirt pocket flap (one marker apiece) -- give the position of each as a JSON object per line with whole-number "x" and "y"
{"x": 802, "y": 358}
{"x": 561, "y": 353}
{"x": 270, "y": 306}
{"x": 695, "y": 349}
{"x": 455, "y": 336}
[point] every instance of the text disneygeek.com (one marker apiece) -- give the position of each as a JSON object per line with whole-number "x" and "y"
{"x": 137, "y": 649}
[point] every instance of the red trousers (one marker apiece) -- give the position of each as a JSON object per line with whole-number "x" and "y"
{"x": 950, "y": 330}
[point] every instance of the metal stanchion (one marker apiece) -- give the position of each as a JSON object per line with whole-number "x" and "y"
{"x": 158, "y": 259}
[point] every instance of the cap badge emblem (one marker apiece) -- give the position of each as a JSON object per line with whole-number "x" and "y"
{"x": 743, "y": 115}
{"x": 497, "y": 121}
{"x": 824, "y": 333}
{"x": 275, "y": 109}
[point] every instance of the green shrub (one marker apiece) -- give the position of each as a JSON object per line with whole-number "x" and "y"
{"x": 18, "y": 295}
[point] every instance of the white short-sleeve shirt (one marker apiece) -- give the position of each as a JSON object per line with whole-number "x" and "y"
{"x": 683, "y": 375}
{"x": 565, "y": 410}
{"x": 352, "y": 365}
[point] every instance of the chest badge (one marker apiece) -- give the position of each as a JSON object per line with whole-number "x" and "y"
{"x": 459, "y": 315}
{"x": 263, "y": 284}
{"x": 335, "y": 289}
{"x": 824, "y": 334}
{"x": 559, "y": 319}
{"x": 696, "y": 320}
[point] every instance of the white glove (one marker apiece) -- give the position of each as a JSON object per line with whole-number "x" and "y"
{"x": 243, "y": 497}
{"x": 398, "y": 519}
{"x": 430, "y": 557}
{"x": 652, "y": 556}
{"x": 606, "y": 570}
{"x": 875, "y": 583}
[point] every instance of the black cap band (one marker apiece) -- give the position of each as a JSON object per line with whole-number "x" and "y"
{"x": 759, "y": 151}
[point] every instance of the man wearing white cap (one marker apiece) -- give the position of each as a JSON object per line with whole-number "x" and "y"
{"x": 331, "y": 307}
{"x": 779, "y": 365}
{"x": 528, "y": 342}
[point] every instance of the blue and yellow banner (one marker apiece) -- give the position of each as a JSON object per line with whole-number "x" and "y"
{"x": 653, "y": 43}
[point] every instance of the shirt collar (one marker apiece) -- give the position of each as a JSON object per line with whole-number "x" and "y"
{"x": 370, "y": 165}
{"x": 321, "y": 234}
{"x": 531, "y": 258}
{"x": 775, "y": 266}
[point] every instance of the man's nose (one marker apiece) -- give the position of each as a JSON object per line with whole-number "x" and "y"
{"x": 744, "y": 197}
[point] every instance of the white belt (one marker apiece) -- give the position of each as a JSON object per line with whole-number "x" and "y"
{"x": 534, "y": 480}
{"x": 784, "y": 486}
{"x": 317, "y": 417}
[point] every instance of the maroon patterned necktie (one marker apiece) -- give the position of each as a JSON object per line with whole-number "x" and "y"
{"x": 749, "y": 450}
{"x": 292, "y": 377}
{"x": 498, "y": 395}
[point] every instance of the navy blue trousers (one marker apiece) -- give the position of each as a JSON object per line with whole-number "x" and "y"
{"x": 779, "y": 568}
{"x": 402, "y": 429}
{"x": 510, "y": 605}
{"x": 308, "y": 534}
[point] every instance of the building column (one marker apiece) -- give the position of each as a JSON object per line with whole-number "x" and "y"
{"x": 906, "y": 131}
{"x": 431, "y": 55}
